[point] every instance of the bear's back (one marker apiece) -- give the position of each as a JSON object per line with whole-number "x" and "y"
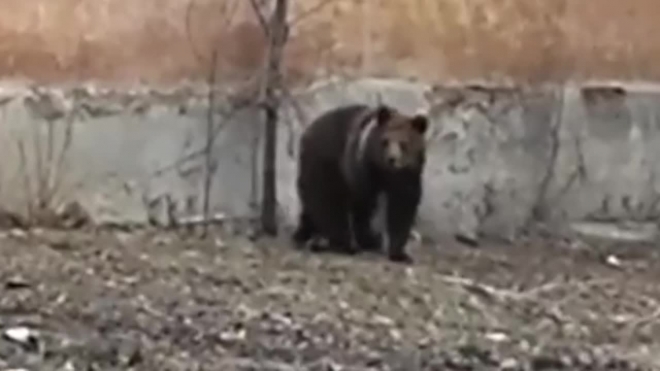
{"x": 327, "y": 135}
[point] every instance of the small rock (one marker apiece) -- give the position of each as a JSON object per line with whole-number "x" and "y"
{"x": 382, "y": 320}
{"x": 474, "y": 353}
{"x": 22, "y": 335}
{"x": 456, "y": 362}
{"x": 584, "y": 359}
{"x": 62, "y": 240}
{"x": 68, "y": 366}
{"x": 219, "y": 243}
{"x": 509, "y": 364}
{"x": 129, "y": 354}
{"x": 467, "y": 239}
{"x": 543, "y": 362}
{"x": 395, "y": 334}
{"x": 16, "y": 283}
{"x": 73, "y": 215}
{"x": 613, "y": 261}
{"x": 18, "y": 233}
{"x": 11, "y": 220}
{"x": 497, "y": 337}
{"x": 124, "y": 238}
{"x": 325, "y": 364}
{"x": 162, "y": 240}
{"x": 416, "y": 236}
{"x": 231, "y": 336}
{"x": 374, "y": 360}
{"x": 18, "y": 334}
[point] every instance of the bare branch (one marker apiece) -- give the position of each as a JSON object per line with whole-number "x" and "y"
{"x": 188, "y": 23}
{"x": 258, "y": 11}
{"x": 300, "y": 116}
{"x": 57, "y": 180}
{"x": 39, "y": 181}
{"x": 26, "y": 178}
{"x": 308, "y": 12}
{"x": 210, "y": 138}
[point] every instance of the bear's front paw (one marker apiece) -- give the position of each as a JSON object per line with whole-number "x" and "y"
{"x": 401, "y": 258}
{"x": 348, "y": 250}
{"x": 342, "y": 247}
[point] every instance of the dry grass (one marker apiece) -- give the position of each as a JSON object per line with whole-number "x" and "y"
{"x": 124, "y": 40}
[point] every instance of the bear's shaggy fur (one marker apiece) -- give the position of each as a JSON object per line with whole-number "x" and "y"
{"x": 349, "y": 156}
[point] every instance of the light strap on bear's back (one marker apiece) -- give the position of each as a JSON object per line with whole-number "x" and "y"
{"x": 366, "y": 127}
{"x": 361, "y": 128}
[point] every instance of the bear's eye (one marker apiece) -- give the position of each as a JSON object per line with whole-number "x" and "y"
{"x": 403, "y": 146}
{"x": 384, "y": 142}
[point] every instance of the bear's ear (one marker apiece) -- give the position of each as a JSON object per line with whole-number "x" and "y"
{"x": 420, "y": 123}
{"x": 383, "y": 114}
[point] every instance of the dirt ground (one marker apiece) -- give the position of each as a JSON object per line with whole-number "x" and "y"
{"x": 146, "y": 300}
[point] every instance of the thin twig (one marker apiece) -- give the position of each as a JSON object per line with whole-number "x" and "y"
{"x": 480, "y": 288}
{"x": 58, "y": 172}
{"x": 226, "y": 116}
{"x": 39, "y": 171}
{"x": 652, "y": 317}
{"x": 538, "y": 210}
{"x": 644, "y": 319}
{"x": 26, "y": 179}
{"x": 50, "y": 148}
{"x": 316, "y": 8}
{"x": 300, "y": 115}
{"x": 187, "y": 19}
{"x": 257, "y": 8}
{"x": 188, "y": 23}
{"x": 490, "y": 291}
{"x": 210, "y": 128}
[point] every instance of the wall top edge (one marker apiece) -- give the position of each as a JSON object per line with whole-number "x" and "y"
{"x": 200, "y": 90}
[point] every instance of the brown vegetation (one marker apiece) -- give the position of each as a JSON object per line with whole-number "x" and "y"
{"x": 170, "y": 40}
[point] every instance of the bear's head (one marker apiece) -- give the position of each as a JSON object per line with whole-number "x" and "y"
{"x": 399, "y": 140}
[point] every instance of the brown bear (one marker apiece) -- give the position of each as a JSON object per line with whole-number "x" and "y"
{"x": 350, "y": 155}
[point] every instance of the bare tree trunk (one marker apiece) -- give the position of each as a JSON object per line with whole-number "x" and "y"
{"x": 278, "y": 32}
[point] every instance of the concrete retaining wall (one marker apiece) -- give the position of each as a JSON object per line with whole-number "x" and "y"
{"x": 499, "y": 157}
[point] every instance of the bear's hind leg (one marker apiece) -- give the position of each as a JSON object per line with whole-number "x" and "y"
{"x": 361, "y": 214}
{"x": 336, "y": 227}
{"x": 305, "y": 230}
{"x": 324, "y": 198}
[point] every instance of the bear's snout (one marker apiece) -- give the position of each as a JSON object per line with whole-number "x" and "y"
{"x": 391, "y": 161}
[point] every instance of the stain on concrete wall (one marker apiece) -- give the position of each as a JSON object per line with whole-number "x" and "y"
{"x": 164, "y": 41}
